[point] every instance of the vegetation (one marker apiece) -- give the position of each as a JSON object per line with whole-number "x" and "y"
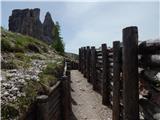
{"x": 48, "y": 77}
{"x": 18, "y": 51}
{"x": 15, "y": 42}
{"x": 58, "y": 44}
{"x": 11, "y": 64}
{"x": 51, "y": 73}
{"x": 38, "y": 56}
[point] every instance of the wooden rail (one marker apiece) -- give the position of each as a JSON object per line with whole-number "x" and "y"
{"x": 57, "y": 104}
{"x": 114, "y": 74}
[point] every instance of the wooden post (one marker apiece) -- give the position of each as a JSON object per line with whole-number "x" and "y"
{"x": 65, "y": 98}
{"x": 116, "y": 80}
{"x": 130, "y": 73}
{"x": 93, "y": 68}
{"x": 105, "y": 77}
{"x": 81, "y": 59}
{"x": 88, "y": 63}
{"x": 83, "y": 66}
{"x": 68, "y": 74}
{"x": 42, "y": 107}
{"x": 85, "y": 61}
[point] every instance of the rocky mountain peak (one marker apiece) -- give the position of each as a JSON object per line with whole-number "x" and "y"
{"x": 27, "y": 22}
{"x": 48, "y": 26}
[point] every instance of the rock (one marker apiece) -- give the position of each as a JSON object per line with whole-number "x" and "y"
{"x": 48, "y": 27}
{"x": 34, "y": 78}
{"x": 82, "y": 89}
{"x": 27, "y": 22}
{"x": 6, "y": 94}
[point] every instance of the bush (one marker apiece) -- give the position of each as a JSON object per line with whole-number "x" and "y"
{"x": 9, "y": 112}
{"x": 38, "y": 56}
{"x": 32, "y": 47}
{"x": 51, "y": 73}
{"x": 9, "y": 64}
{"x": 6, "y": 45}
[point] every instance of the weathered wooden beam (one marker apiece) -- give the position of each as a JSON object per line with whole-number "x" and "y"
{"x": 85, "y": 61}
{"x": 150, "y": 61}
{"x": 151, "y": 76}
{"x": 79, "y": 65}
{"x": 65, "y": 96}
{"x": 116, "y": 80}
{"x": 151, "y": 110}
{"x": 149, "y": 47}
{"x": 105, "y": 75}
{"x": 68, "y": 74}
{"x": 42, "y": 107}
{"x": 88, "y": 63}
{"x": 130, "y": 73}
{"x": 93, "y": 68}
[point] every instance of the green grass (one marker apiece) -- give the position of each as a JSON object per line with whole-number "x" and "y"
{"x": 11, "y": 64}
{"x": 22, "y": 57}
{"x": 9, "y": 112}
{"x": 50, "y": 74}
{"x": 38, "y": 56}
{"x": 15, "y": 42}
{"x": 22, "y": 104}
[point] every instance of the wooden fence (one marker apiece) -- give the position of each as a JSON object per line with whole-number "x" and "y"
{"x": 57, "y": 104}
{"x": 114, "y": 73}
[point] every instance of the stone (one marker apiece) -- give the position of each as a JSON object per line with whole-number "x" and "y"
{"x": 48, "y": 27}
{"x": 5, "y": 93}
{"x": 27, "y": 22}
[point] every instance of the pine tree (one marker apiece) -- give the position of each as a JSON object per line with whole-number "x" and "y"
{"x": 58, "y": 44}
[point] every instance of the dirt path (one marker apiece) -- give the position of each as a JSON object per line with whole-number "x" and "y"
{"x": 86, "y": 103}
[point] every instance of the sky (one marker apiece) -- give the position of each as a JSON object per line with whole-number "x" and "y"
{"x": 94, "y": 23}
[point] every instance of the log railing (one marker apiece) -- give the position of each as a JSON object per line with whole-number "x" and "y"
{"x": 114, "y": 73}
{"x": 55, "y": 105}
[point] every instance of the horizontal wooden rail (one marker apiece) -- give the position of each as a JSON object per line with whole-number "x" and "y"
{"x": 114, "y": 73}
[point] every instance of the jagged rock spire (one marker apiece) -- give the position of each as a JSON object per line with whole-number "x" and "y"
{"x": 48, "y": 25}
{"x": 27, "y": 22}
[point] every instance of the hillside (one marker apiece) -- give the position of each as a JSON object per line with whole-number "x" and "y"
{"x": 29, "y": 67}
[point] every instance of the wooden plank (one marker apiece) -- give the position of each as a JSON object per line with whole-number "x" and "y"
{"x": 93, "y": 67}
{"x": 65, "y": 98}
{"x": 42, "y": 107}
{"x": 149, "y": 47}
{"x": 116, "y": 80}
{"x": 79, "y": 58}
{"x": 130, "y": 73}
{"x": 54, "y": 107}
{"x": 85, "y": 62}
{"x": 105, "y": 83}
{"x": 150, "y": 61}
{"x": 53, "y": 99}
{"x": 88, "y": 63}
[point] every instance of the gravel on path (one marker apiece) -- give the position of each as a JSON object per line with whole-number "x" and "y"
{"x": 86, "y": 103}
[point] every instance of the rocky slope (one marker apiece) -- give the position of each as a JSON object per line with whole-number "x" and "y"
{"x": 29, "y": 67}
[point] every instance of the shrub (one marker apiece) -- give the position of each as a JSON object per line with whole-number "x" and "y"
{"x": 33, "y": 47}
{"x": 9, "y": 64}
{"x": 38, "y": 56}
{"x": 6, "y": 45}
{"x": 9, "y": 112}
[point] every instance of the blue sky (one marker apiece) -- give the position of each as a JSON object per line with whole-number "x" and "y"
{"x": 94, "y": 23}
